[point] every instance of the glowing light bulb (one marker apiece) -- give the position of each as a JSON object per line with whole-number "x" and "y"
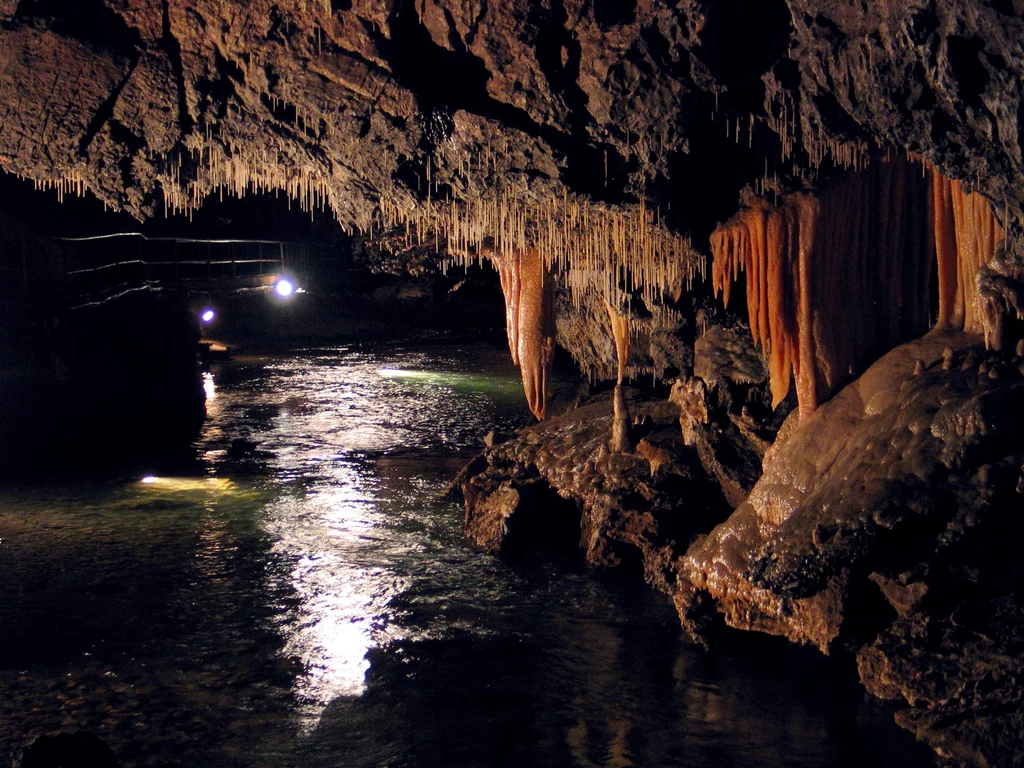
{"x": 149, "y": 479}
{"x": 207, "y": 315}
{"x": 284, "y": 288}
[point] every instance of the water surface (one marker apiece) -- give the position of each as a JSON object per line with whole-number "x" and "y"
{"x": 300, "y": 596}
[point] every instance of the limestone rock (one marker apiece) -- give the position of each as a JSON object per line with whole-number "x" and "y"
{"x": 723, "y": 411}
{"x": 631, "y": 509}
{"x": 893, "y": 472}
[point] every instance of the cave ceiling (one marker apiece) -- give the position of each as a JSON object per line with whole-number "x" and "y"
{"x": 153, "y": 105}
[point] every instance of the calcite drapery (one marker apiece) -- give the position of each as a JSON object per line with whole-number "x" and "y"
{"x": 965, "y": 233}
{"x": 835, "y": 279}
{"x": 529, "y": 300}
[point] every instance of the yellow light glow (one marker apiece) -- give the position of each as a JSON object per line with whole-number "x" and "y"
{"x": 179, "y": 484}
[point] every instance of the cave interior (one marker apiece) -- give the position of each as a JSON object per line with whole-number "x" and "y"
{"x": 779, "y": 245}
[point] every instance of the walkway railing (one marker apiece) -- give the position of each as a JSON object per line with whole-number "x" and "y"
{"x": 113, "y": 265}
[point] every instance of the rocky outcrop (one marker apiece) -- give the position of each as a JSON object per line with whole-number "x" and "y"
{"x": 725, "y": 409}
{"x": 900, "y": 466}
{"x": 636, "y": 509}
{"x": 881, "y": 523}
{"x": 956, "y": 661}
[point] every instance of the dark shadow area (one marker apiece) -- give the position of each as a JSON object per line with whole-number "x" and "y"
{"x": 89, "y": 20}
{"x": 543, "y": 522}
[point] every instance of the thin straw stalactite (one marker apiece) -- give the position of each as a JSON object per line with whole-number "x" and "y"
{"x": 595, "y": 250}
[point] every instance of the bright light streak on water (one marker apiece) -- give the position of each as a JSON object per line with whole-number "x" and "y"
{"x": 343, "y": 611}
{"x": 208, "y": 388}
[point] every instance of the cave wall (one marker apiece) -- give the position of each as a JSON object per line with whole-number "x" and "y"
{"x": 937, "y": 77}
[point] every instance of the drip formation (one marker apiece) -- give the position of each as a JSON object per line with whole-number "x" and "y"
{"x": 834, "y": 279}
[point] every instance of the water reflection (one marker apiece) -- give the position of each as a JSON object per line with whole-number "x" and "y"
{"x": 322, "y": 420}
{"x": 208, "y": 387}
{"x": 343, "y": 600}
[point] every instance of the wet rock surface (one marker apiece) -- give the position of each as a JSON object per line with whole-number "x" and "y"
{"x": 882, "y": 525}
{"x": 957, "y": 663}
{"x": 886, "y": 514}
{"x": 893, "y": 470}
{"x": 725, "y": 409}
{"x": 635, "y": 509}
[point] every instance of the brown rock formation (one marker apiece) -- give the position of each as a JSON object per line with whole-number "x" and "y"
{"x": 900, "y": 466}
{"x": 630, "y": 508}
{"x": 723, "y": 410}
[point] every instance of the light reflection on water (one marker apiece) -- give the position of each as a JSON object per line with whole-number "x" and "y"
{"x": 327, "y": 522}
{"x": 303, "y": 599}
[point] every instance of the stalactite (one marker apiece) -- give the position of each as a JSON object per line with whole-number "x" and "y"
{"x": 594, "y": 249}
{"x": 836, "y": 278}
{"x": 217, "y": 169}
{"x": 620, "y": 335}
{"x": 966, "y": 234}
{"x": 529, "y": 317}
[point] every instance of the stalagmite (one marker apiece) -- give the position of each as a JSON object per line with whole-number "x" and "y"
{"x": 620, "y": 412}
{"x": 620, "y": 442}
{"x": 835, "y": 279}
